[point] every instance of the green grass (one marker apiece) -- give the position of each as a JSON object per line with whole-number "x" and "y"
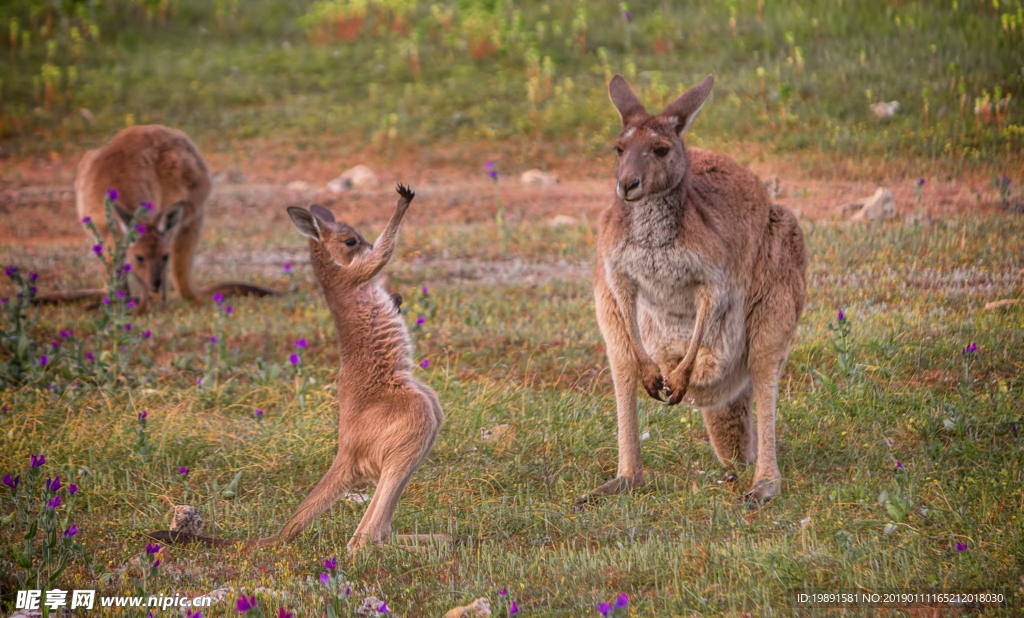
{"x": 798, "y": 78}
{"x": 530, "y": 356}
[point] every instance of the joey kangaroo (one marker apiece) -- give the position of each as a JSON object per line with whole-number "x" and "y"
{"x": 698, "y": 288}
{"x": 388, "y": 420}
{"x": 162, "y": 169}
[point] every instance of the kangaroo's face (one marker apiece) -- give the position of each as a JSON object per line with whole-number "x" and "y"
{"x": 150, "y": 254}
{"x": 651, "y": 158}
{"x": 341, "y": 241}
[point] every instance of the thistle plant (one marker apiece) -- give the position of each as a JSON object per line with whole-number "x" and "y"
{"x": 26, "y": 356}
{"x": 295, "y": 359}
{"x": 141, "y": 437}
{"x": 619, "y": 608}
{"x": 967, "y": 357}
{"x": 499, "y": 214}
{"x": 842, "y": 343}
{"x": 337, "y": 600}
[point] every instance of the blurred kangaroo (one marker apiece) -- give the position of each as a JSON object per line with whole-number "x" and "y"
{"x": 388, "y": 420}
{"x": 698, "y": 288}
{"x": 162, "y": 169}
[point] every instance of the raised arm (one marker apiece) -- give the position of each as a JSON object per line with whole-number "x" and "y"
{"x": 365, "y": 268}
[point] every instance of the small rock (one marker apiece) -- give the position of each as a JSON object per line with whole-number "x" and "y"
{"x": 86, "y": 115}
{"x": 370, "y": 607}
{"x": 231, "y": 175}
{"x": 339, "y": 185}
{"x": 537, "y": 177}
{"x": 563, "y": 220}
{"x": 772, "y": 185}
{"x": 360, "y": 177}
{"x": 359, "y": 497}
{"x": 885, "y": 110}
{"x": 298, "y": 186}
{"x": 481, "y": 608}
{"x": 879, "y": 207}
{"x": 188, "y": 520}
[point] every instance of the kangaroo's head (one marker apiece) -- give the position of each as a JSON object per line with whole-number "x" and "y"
{"x": 341, "y": 242}
{"x": 651, "y": 155}
{"x": 149, "y": 254}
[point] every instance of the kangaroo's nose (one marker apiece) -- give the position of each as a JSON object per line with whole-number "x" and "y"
{"x": 635, "y": 184}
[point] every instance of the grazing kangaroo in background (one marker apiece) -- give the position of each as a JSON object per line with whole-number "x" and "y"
{"x": 388, "y": 420}
{"x": 698, "y": 288}
{"x": 161, "y": 168}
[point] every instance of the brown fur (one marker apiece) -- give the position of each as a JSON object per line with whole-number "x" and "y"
{"x": 698, "y": 288}
{"x": 161, "y": 166}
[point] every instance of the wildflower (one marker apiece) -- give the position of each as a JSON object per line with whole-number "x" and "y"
{"x": 128, "y": 326}
{"x": 492, "y": 170}
{"x": 141, "y": 229}
{"x": 53, "y": 484}
{"x": 199, "y": 381}
{"x": 98, "y": 248}
{"x": 245, "y": 604}
{"x": 259, "y": 413}
{"x": 89, "y": 355}
{"x": 970, "y": 349}
{"x": 218, "y": 298}
{"x": 54, "y": 502}
{"x": 1013, "y": 428}
{"x": 12, "y": 483}
{"x": 194, "y": 614}
{"x": 420, "y": 320}
{"x": 384, "y": 608}
{"x": 55, "y": 344}
{"x": 229, "y": 310}
{"x": 152, "y": 548}
{"x": 514, "y": 609}
{"x": 628, "y": 16}
{"x": 425, "y": 363}
{"x": 106, "y": 300}
{"x": 112, "y": 194}
{"x": 33, "y": 277}
{"x": 622, "y": 602}
{"x": 71, "y": 531}
{"x": 121, "y": 293}
{"x": 149, "y": 206}
{"x": 603, "y": 608}
{"x": 348, "y": 592}
{"x": 43, "y": 360}
{"x": 424, "y": 290}
{"x": 37, "y": 462}
{"x": 899, "y": 465}
{"x": 287, "y": 268}
{"x": 86, "y": 219}
{"x": 66, "y": 333}
{"x": 920, "y": 182}
{"x": 294, "y": 359}
{"x": 503, "y": 592}
{"x": 331, "y": 564}
{"x": 182, "y": 470}
{"x": 131, "y": 304}
{"x": 281, "y": 613}
{"x": 841, "y": 316}
{"x": 301, "y": 343}
{"x": 213, "y": 339}
{"x": 143, "y": 415}
{"x": 325, "y": 579}
{"x": 127, "y": 268}
{"x": 3, "y": 301}
{"x": 11, "y": 271}
{"x": 961, "y": 546}
{"x": 72, "y": 489}
{"x": 146, "y": 334}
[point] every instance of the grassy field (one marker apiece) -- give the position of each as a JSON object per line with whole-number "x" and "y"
{"x": 901, "y": 438}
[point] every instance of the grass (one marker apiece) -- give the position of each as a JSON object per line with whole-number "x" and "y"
{"x": 530, "y": 356}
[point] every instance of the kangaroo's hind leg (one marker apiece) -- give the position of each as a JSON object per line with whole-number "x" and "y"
{"x": 183, "y": 250}
{"x": 341, "y": 476}
{"x": 732, "y": 432}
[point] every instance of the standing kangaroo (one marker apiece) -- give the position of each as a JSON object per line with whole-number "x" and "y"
{"x": 162, "y": 169}
{"x": 698, "y": 288}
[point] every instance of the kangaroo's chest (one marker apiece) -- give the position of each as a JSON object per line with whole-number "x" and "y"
{"x": 666, "y": 279}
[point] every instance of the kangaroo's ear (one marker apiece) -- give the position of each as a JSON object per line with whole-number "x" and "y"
{"x": 322, "y": 213}
{"x": 624, "y": 100}
{"x": 683, "y": 110}
{"x": 124, "y": 216}
{"x": 170, "y": 218}
{"x": 304, "y": 222}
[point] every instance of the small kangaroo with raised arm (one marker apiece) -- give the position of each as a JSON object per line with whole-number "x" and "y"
{"x": 698, "y": 288}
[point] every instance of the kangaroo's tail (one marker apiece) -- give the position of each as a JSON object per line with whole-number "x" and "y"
{"x": 173, "y": 537}
{"x": 94, "y": 294}
{"x": 234, "y": 288}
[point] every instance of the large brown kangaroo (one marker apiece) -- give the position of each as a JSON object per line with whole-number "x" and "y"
{"x": 388, "y": 420}
{"x": 162, "y": 169}
{"x": 698, "y": 288}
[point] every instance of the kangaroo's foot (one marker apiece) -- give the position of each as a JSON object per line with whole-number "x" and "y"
{"x": 619, "y": 484}
{"x": 764, "y": 489}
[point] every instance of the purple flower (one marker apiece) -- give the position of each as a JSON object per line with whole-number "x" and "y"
{"x": 152, "y": 548}
{"x": 131, "y": 304}
{"x": 11, "y": 271}
{"x": 182, "y": 470}
{"x": 325, "y": 579}
{"x": 627, "y": 15}
{"x": 55, "y": 344}
{"x": 71, "y": 531}
{"x": 127, "y": 268}
{"x": 841, "y": 316}
{"x": 603, "y": 608}
{"x": 98, "y": 248}
{"x": 1013, "y": 428}
{"x": 920, "y": 182}
{"x": 424, "y": 290}
{"x": 489, "y": 165}
{"x": 54, "y": 502}
{"x": 65, "y": 334}
{"x": 294, "y": 359}
{"x": 156, "y": 563}
{"x": 89, "y": 355}
{"x": 348, "y": 592}
{"x": 970, "y": 349}
{"x": 3, "y": 301}
{"x": 258, "y": 413}
{"x": 43, "y": 360}
{"x": 112, "y": 194}
{"x": 148, "y": 206}
{"x": 301, "y": 343}
{"x": 53, "y": 484}
{"x": 12, "y": 483}
{"x": 121, "y": 293}
{"x": 281, "y": 613}
{"x": 72, "y": 489}
{"x": 622, "y": 602}
{"x": 86, "y": 219}
{"x": 245, "y": 604}
{"x": 199, "y": 381}
{"x": 493, "y": 174}
{"x": 384, "y": 608}
{"x": 899, "y": 465}
{"x": 503, "y": 592}
{"x": 143, "y": 415}
{"x": 128, "y": 326}
{"x": 33, "y": 277}
{"x": 218, "y": 298}
{"x": 106, "y": 300}
{"x": 146, "y": 334}
{"x": 229, "y": 310}
{"x": 287, "y": 267}
{"x": 514, "y": 609}
{"x": 425, "y": 363}
{"x": 141, "y": 229}
{"x": 213, "y": 339}
{"x": 420, "y": 320}
{"x": 961, "y": 546}
{"x": 331, "y": 564}
{"x": 37, "y": 462}
{"x": 193, "y": 614}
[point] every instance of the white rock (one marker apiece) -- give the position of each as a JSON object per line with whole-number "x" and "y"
{"x": 339, "y": 185}
{"x": 537, "y": 177}
{"x": 360, "y": 177}
{"x": 885, "y": 110}
{"x": 481, "y": 608}
{"x": 566, "y": 220}
{"x": 879, "y": 207}
{"x": 298, "y": 186}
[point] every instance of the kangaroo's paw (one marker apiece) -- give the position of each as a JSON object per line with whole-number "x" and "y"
{"x": 763, "y": 490}
{"x": 618, "y": 485}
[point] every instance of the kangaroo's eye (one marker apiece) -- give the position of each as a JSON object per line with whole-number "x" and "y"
{"x": 618, "y": 151}
{"x": 661, "y": 151}
{"x": 140, "y": 258}
{"x": 351, "y": 242}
